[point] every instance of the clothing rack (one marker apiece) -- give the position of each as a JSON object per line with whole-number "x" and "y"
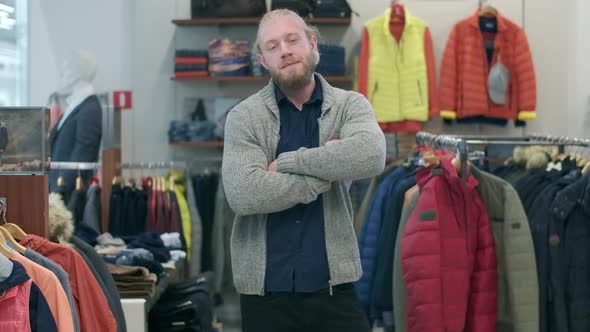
{"x": 153, "y": 165}
{"x": 69, "y": 165}
{"x": 447, "y": 143}
{"x": 532, "y": 139}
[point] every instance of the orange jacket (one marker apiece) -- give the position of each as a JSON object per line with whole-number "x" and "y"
{"x": 464, "y": 73}
{"x": 50, "y": 288}
{"x": 91, "y": 304}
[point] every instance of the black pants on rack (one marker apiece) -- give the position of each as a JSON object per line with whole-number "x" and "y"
{"x": 301, "y": 312}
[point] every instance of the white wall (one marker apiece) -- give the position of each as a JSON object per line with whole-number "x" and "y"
{"x": 579, "y": 70}
{"x": 57, "y": 26}
{"x": 550, "y": 44}
{"x": 134, "y": 41}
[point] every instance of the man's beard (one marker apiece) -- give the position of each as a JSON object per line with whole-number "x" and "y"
{"x": 297, "y": 80}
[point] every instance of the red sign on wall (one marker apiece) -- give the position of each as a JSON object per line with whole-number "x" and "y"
{"x": 122, "y": 99}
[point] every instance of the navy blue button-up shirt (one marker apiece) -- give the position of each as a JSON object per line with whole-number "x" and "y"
{"x": 296, "y": 259}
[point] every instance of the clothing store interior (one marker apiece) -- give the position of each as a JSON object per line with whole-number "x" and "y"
{"x": 143, "y": 186}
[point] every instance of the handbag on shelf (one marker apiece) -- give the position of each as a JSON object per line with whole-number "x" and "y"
{"x": 331, "y": 8}
{"x": 302, "y": 7}
{"x": 227, "y": 8}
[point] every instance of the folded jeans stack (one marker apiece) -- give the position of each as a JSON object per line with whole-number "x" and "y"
{"x": 229, "y": 57}
{"x": 191, "y": 131}
{"x": 131, "y": 258}
{"x": 332, "y": 60}
{"x": 191, "y": 63}
{"x": 133, "y": 281}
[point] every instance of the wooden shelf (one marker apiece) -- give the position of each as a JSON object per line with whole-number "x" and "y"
{"x": 332, "y": 79}
{"x": 254, "y": 21}
{"x": 207, "y": 144}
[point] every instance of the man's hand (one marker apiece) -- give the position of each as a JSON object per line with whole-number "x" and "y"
{"x": 333, "y": 141}
{"x": 273, "y": 167}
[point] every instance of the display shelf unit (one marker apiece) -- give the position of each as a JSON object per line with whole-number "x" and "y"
{"x": 224, "y": 27}
{"x": 331, "y": 79}
{"x": 204, "y": 144}
{"x": 255, "y": 20}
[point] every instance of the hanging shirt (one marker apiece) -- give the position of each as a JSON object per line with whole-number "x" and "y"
{"x": 92, "y": 307}
{"x": 62, "y": 276}
{"x": 22, "y": 305}
{"x": 5, "y": 267}
{"x": 52, "y": 291}
{"x": 296, "y": 249}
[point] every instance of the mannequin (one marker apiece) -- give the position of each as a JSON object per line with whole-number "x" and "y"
{"x": 77, "y": 134}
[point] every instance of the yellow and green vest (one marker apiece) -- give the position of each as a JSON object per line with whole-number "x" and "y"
{"x": 397, "y": 76}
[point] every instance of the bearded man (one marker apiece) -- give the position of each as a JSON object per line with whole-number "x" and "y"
{"x": 291, "y": 152}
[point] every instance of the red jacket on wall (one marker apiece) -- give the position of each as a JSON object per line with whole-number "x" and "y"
{"x": 448, "y": 256}
{"x": 464, "y": 72}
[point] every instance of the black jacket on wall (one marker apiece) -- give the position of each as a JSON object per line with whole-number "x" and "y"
{"x": 77, "y": 140}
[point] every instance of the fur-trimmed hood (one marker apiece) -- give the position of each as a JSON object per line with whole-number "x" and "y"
{"x": 532, "y": 157}
{"x": 61, "y": 225}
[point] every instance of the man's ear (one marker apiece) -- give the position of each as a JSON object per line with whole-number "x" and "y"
{"x": 314, "y": 43}
{"x": 260, "y": 59}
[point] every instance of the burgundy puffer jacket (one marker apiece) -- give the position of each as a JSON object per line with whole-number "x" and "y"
{"x": 448, "y": 256}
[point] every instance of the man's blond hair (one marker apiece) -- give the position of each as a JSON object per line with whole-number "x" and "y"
{"x": 310, "y": 30}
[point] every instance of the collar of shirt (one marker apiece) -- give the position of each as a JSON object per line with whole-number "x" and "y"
{"x": 84, "y": 91}
{"x": 317, "y": 94}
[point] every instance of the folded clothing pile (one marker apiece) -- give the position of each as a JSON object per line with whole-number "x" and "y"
{"x": 107, "y": 245}
{"x": 154, "y": 244}
{"x": 191, "y": 63}
{"x": 191, "y": 131}
{"x": 185, "y": 306}
{"x": 133, "y": 281}
{"x": 332, "y": 60}
{"x": 229, "y": 57}
{"x": 133, "y": 258}
{"x": 171, "y": 240}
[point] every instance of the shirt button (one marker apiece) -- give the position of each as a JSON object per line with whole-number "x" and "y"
{"x": 298, "y": 221}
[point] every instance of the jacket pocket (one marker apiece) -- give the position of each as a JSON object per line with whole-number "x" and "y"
{"x": 374, "y": 92}
{"x": 420, "y": 94}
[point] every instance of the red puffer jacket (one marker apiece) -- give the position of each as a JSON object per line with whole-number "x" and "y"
{"x": 464, "y": 72}
{"x": 448, "y": 256}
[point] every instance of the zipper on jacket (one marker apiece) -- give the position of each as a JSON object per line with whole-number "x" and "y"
{"x": 331, "y": 290}
{"x": 420, "y": 93}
